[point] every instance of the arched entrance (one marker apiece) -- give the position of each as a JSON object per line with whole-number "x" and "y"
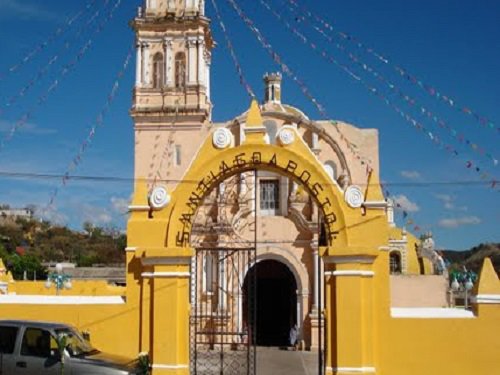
{"x": 275, "y": 302}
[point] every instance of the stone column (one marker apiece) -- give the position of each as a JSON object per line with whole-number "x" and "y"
{"x": 316, "y": 278}
{"x": 138, "y": 70}
{"x": 201, "y": 62}
{"x": 222, "y": 285}
{"x": 349, "y": 314}
{"x": 192, "y": 60}
{"x": 146, "y": 69}
{"x": 207, "y": 77}
{"x": 170, "y": 312}
{"x": 169, "y": 71}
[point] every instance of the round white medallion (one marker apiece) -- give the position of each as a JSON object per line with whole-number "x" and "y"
{"x": 354, "y": 196}
{"x": 286, "y": 135}
{"x": 159, "y": 198}
{"x": 222, "y": 138}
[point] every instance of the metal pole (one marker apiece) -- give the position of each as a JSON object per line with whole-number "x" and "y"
{"x": 320, "y": 305}
{"x": 466, "y": 301}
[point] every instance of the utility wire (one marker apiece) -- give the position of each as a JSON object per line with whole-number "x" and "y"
{"x": 46, "y": 176}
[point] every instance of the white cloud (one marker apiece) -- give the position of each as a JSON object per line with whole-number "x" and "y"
{"x": 96, "y": 215}
{"x": 52, "y": 214}
{"x": 459, "y": 221}
{"x": 120, "y": 205}
{"x": 29, "y": 128}
{"x": 411, "y": 175}
{"x": 449, "y": 202}
{"x": 403, "y": 203}
{"x": 25, "y": 10}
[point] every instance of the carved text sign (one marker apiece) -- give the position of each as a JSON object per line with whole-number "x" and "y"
{"x": 248, "y": 161}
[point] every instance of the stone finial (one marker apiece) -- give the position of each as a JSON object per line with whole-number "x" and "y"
{"x": 254, "y": 117}
{"x": 488, "y": 279}
{"x": 255, "y": 130}
{"x": 3, "y": 270}
{"x": 373, "y": 190}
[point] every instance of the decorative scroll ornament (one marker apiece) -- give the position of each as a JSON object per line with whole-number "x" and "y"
{"x": 159, "y": 198}
{"x": 222, "y": 138}
{"x": 286, "y": 135}
{"x": 354, "y": 196}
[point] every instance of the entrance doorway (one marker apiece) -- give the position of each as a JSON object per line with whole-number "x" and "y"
{"x": 275, "y": 302}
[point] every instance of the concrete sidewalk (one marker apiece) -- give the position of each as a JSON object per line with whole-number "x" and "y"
{"x": 274, "y": 361}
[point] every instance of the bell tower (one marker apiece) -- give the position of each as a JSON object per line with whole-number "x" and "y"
{"x": 171, "y": 98}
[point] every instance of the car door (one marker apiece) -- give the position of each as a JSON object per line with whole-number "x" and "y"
{"x": 38, "y": 354}
{"x": 8, "y": 337}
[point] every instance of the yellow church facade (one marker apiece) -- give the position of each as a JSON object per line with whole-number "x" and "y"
{"x": 241, "y": 230}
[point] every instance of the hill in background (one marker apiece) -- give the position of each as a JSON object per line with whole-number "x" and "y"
{"x": 473, "y": 259}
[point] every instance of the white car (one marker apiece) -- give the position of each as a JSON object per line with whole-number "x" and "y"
{"x": 31, "y": 348}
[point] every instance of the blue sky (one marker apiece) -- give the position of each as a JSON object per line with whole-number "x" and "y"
{"x": 452, "y": 45}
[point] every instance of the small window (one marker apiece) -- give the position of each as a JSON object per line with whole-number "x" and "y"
{"x": 269, "y": 197}
{"x": 180, "y": 70}
{"x": 8, "y": 339}
{"x": 158, "y": 71}
{"x": 38, "y": 343}
{"x": 178, "y": 159}
{"x": 395, "y": 262}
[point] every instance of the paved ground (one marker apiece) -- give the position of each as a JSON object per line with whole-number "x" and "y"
{"x": 273, "y": 361}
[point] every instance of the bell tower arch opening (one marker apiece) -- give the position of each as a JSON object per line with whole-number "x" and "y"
{"x": 274, "y": 303}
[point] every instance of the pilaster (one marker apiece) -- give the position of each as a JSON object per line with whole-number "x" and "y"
{"x": 170, "y": 310}
{"x": 349, "y": 314}
{"x": 192, "y": 60}
{"x": 138, "y": 71}
{"x": 169, "y": 71}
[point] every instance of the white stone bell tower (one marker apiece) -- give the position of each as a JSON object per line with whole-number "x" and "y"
{"x": 171, "y": 98}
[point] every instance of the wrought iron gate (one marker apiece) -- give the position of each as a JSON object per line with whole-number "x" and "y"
{"x": 223, "y": 304}
{"x": 223, "y": 317}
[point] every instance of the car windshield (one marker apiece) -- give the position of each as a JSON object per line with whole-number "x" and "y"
{"x": 76, "y": 345}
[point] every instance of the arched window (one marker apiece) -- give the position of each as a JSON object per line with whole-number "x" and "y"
{"x": 395, "y": 262}
{"x": 158, "y": 71}
{"x": 180, "y": 70}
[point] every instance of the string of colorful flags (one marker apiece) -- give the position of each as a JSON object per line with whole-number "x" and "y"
{"x": 426, "y": 87}
{"x": 469, "y": 164}
{"x": 230, "y": 48}
{"x": 66, "y": 69}
{"x": 412, "y": 102}
{"x": 406, "y": 217}
{"x": 39, "y": 48}
{"x": 408, "y": 220}
{"x": 99, "y": 122}
{"x": 45, "y": 69}
{"x": 303, "y": 87}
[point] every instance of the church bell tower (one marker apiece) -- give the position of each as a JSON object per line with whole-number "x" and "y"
{"x": 171, "y": 98}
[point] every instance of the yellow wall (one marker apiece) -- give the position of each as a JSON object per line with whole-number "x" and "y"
{"x": 112, "y": 328}
{"x": 440, "y": 346}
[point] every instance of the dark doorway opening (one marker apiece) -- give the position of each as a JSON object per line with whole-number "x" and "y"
{"x": 275, "y": 303}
